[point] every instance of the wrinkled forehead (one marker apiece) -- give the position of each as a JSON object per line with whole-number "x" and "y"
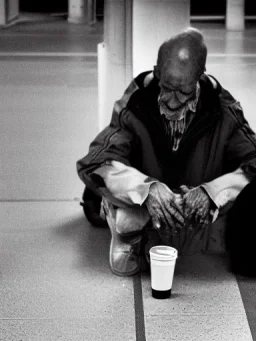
{"x": 178, "y": 74}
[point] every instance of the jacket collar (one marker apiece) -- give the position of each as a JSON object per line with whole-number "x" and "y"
{"x": 207, "y": 113}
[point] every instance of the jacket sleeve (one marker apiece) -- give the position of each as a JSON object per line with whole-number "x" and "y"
{"x": 116, "y": 142}
{"x": 226, "y": 188}
{"x": 125, "y": 182}
{"x": 242, "y": 144}
{"x": 240, "y": 154}
{"x": 113, "y": 143}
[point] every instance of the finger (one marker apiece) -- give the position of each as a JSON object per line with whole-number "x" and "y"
{"x": 202, "y": 224}
{"x": 184, "y": 189}
{"x": 198, "y": 217}
{"x": 156, "y": 223}
{"x": 177, "y": 224}
{"x": 177, "y": 207}
{"x": 167, "y": 219}
{"x": 195, "y": 220}
{"x": 179, "y": 221}
{"x": 169, "y": 211}
{"x": 177, "y": 215}
{"x": 202, "y": 214}
{"x": 203, "y": 221}
{"x": 206, "y": 222}
{"x": 188, "y": 212}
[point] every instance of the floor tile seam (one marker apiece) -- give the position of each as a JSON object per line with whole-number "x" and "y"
{"x": 139, "y": 316}
{"x": 239, "y": 55}
{"x": 97, "y": 318}
{"x": 62, "y": 59}
{"x": 57, "y": 88}
{"x": 192, "y": 314}
{"x": 64, "y": 87}
{"x": 37, "y": 200}
{"x": 248, "y": 311}
{"x": 53, "y": 35}
{"x": 95, "y": 54}
{"x": 233, "y": 64}
{"x": 48, "y": 54}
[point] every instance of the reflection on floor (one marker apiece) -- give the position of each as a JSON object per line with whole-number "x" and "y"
{"x": 55, "y": 279}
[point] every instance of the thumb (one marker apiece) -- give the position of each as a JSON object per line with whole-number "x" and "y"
{"x": 156, "y": 223}
{"x": 184, "y": 189}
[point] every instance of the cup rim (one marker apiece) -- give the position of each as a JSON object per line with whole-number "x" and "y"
{"x": 164, "y": 255}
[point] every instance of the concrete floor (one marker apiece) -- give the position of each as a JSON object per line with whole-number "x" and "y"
{"x": 55, "y": 281}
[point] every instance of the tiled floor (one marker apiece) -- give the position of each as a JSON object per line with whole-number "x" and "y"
{"x": 55, "y": 281}
{"x": 56, "y": 285}
{"x": 206, "y": 304}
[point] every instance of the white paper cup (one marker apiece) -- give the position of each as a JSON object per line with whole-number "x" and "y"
{"x": 162, "y": 265}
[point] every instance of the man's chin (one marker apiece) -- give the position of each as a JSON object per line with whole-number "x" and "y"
{"x": 174, "y": 110}
{"x": 175, "y": 115}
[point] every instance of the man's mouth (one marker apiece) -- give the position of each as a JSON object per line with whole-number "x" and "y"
{"x": 174, "y": 109}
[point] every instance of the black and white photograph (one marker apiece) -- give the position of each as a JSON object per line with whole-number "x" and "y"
{"x": 127, "y": 170}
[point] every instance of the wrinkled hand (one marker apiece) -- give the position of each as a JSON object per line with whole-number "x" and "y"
{"x": 164, "y": 207}
{"x": 196, "y": 205}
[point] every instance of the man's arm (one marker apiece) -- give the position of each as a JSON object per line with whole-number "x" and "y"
{"x": 132, "y": 187}
{"x": 125, "y": 183}
{"x": 240, "y": 151}
{"x": 227, "y": 187}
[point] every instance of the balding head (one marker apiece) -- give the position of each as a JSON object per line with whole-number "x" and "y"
{"x": 186, "y": 50}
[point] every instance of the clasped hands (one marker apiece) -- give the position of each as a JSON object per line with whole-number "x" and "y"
{"x": 167, "y": 209}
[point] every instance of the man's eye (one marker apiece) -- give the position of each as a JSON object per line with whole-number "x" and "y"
{"x": 186, "y": 93}
{"x": 164, "y": 89}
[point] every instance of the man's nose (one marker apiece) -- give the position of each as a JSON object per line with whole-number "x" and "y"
{"x": 172, "y": 99}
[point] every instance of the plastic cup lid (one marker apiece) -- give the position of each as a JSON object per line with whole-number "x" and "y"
{"x": 163, "y": 252}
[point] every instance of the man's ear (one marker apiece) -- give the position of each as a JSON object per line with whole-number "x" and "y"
{"x": 156, "y": 72}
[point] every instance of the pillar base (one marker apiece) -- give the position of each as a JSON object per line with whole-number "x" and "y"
{"x": 77, "y": 20}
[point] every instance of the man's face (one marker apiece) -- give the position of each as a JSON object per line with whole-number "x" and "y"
{"x": 177, "y": 87}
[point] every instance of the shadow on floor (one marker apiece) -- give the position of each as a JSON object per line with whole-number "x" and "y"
{"x": 91, "y": 244}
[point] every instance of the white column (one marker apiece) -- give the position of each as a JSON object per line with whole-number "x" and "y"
{"x": 13, "y": 10}
{"x": 78, "y": 11}
{"x": 133, "y": 32}
{"x": 3, "y": 19}
{"x": 235, "y": 15}
{"x": 9, "y": 11}
{"x": 153, "y": 22}
{"x": 115, "y": 56}
{"x": 92, "y": 12}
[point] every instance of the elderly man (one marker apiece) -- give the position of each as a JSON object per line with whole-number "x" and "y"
{"x": 175, "y": 156}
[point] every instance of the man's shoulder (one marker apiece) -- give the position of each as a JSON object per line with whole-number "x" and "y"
{"x": 226, "y": 98}
{"x": 138, "y": 84}
{"x": 229, "y": 105}
{"x": 144, "y": 79}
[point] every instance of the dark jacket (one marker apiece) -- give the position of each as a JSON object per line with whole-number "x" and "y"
{"x": 217, "y": 141}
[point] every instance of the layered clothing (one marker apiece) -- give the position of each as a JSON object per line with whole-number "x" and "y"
{"x": 217, "y": 149}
